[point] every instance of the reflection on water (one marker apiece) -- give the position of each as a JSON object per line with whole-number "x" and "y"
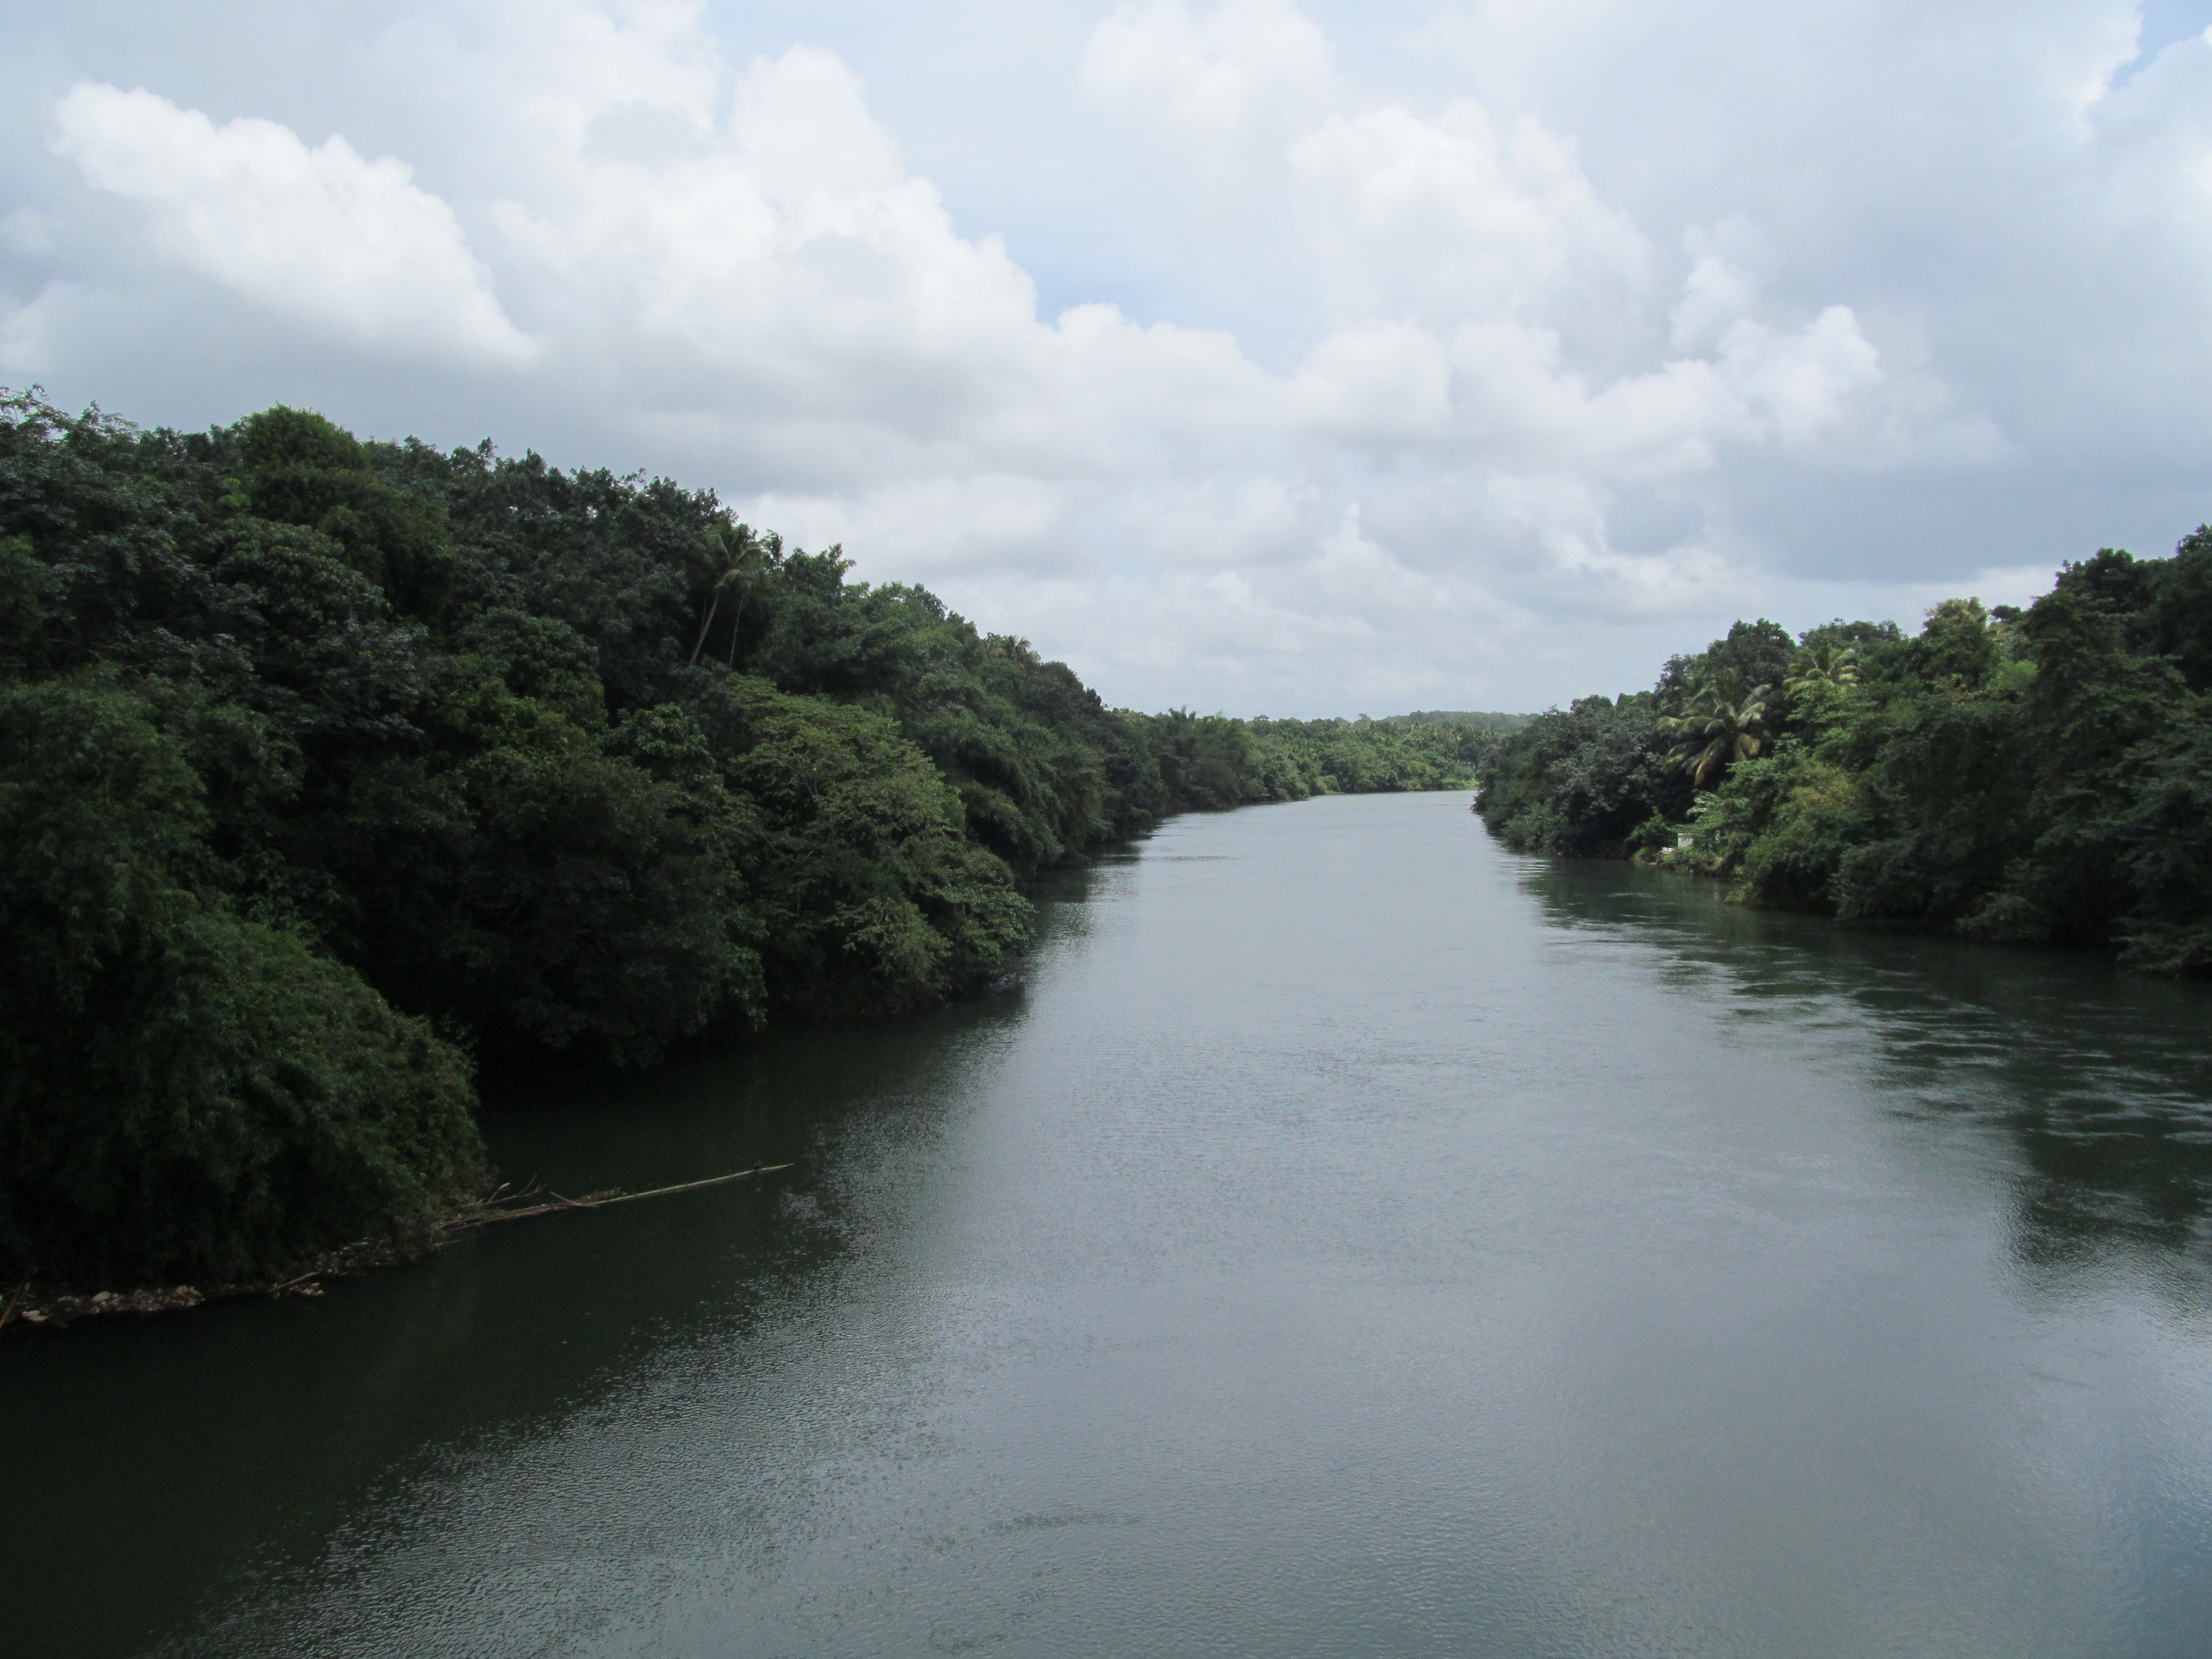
{"x": 2102, "y": 1080}
{"x": 1343, "y": 1238}
{"x": 252, "y": 1450}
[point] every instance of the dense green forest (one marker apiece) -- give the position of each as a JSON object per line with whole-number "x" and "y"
{"x": 328, "y": 767}
{"x": 2039, "y": 777}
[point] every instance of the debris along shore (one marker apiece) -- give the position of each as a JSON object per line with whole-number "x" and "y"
{"x": 32, "y": 1307}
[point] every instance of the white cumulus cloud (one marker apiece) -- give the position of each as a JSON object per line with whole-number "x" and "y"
{"x": 321, "y": 234}
{"x": 1209, "y": 75}
{"x": 1441, "y": 358}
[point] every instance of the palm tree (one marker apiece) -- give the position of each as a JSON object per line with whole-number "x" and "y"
{"x": 1721, "y": 724}
{"x": 1823, "y": 665}
{"x": 740, "y": 560}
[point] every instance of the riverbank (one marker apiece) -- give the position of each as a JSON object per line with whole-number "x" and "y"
{"x": 2030, "y": 777}
{"x": 32, "y": 1307}
{"x": 55, "y": 1309}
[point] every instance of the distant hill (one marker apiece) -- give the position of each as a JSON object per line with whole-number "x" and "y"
{"x": 1458, "y": 717}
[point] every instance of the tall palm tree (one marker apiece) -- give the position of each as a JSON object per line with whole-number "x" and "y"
{"x": 1722, "y": 723}
{"x": 1823, "y": 665}
{"x": 738, "y": 559}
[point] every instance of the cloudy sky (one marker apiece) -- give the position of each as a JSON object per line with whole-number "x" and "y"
{"x": 1279, "y": 358}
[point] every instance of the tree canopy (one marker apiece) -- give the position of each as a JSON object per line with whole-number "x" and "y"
{"x": 2036, "y": 776}
{"x": 331, "y": 764}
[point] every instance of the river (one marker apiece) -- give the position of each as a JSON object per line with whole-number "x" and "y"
{"x": 1343, "y": 1237}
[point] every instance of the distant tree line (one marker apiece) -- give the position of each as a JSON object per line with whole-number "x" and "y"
{"x": 2041, "y": 776}
{"x": 324, "y": 762}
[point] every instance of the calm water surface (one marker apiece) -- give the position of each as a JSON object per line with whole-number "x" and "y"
{"x": 1347, "y": 1239}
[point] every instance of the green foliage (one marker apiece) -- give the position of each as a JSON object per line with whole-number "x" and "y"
{"x": 1797, "y": 842}
{"x": 1577, "y": 782}
{"x": 550, "y": 882}
{"x": 1211, "y": 762}
{"x": 1723, "y": 722}
{"x": 182, "y": 1093}
{"x": 1939, "y": 810}
{"x": 26, "y": 600}
{"x": 1752, "y": 654}
{"x": 2162, "y": 833}
{"x": 1652, "y": 838}
{"x": 540, "y": 658}
{"x": 1823, "y": 666}
{"x": 2039, "y": 777}
{"x": 303, "y": 724}
{"x": 1957, "y": 647}
{"x": 872, "y": 898}
{"x": 2177, "y": 622}
{"x": 1208, "y": 761}
{"x": 299, "y": 469}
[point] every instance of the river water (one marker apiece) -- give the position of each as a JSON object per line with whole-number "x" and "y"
{"x": 1345, "y": 1238}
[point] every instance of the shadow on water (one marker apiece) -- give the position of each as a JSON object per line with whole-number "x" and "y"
{"x": 188, "y": 1463}
{"x": 2099, "y": 1080}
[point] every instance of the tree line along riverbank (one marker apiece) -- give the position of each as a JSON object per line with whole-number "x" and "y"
{"x": 326, "y": 765}
{"x": 2040, "y": 776}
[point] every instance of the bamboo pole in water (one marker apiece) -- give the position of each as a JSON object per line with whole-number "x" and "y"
{"x": 490, "y": 1213}
{"x": 353, "y": 1259}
